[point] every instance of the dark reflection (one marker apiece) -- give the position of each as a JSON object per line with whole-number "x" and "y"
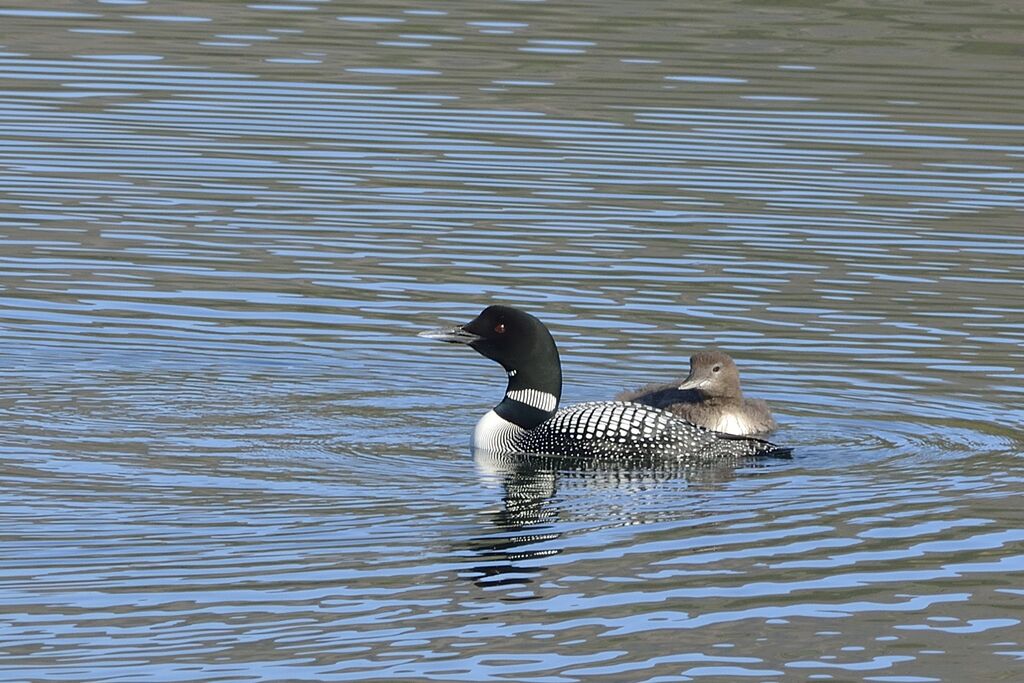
{"x": 525, "y": 518}
{"x": 521, "y": 532}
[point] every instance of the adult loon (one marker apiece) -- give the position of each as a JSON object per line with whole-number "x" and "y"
{"x": 710, "y": 397}
{"x": 527, "y": 420}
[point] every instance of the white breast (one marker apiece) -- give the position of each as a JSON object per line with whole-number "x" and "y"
{"x": 496, "y": 434}
{"x": 731, "y": 423}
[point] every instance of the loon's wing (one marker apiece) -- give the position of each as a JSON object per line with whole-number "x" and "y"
{"x": 613, "y": 429}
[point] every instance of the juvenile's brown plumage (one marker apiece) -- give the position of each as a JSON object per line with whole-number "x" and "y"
{"x": 710, "y": 397}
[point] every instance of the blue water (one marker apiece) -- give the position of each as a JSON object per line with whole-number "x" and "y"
{"x": 227, "y": 456}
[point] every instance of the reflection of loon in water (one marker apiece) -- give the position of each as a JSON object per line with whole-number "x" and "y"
{"x": 523, "y": 521}
{"x": 533, "y": 517}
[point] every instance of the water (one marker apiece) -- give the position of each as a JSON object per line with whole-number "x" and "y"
{"x": 227, "y": 456}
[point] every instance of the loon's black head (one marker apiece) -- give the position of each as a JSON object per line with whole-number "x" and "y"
{"x": 713, "y": 374}
{"x": 515, "y": 339}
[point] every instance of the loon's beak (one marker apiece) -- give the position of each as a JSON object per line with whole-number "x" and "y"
{"x": 453, "y": 335}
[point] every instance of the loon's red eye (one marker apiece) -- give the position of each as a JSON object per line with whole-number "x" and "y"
{"x": 500, "y": 328}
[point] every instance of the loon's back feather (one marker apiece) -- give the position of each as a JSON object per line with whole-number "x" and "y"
{"x": 620, "y": 429}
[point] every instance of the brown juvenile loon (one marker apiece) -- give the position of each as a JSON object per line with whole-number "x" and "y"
{"x": 709, "y": 397}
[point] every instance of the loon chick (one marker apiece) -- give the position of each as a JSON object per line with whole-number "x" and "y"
{"x": 527, "y": 420}
{"x": 710, "y": 397}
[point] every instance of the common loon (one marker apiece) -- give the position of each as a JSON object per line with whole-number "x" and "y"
{"x": 527, "y": 420}
{"x": 710, "y": 397}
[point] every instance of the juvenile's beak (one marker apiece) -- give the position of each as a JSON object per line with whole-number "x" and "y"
{"x": 452, "y": 335}
{"x": 692, "y": 382}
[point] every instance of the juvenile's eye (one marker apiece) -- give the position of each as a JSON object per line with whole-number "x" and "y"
{"x": 716, "y": 368}
{"x": 500, "y": 328}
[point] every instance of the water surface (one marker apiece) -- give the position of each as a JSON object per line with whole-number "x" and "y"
{"x": 227, "y": 456}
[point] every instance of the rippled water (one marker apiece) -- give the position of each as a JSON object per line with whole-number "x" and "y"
{"x": 227, "y": 456}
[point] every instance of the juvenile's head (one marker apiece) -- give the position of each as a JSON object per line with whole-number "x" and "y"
{"x": 713, "y": 374}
